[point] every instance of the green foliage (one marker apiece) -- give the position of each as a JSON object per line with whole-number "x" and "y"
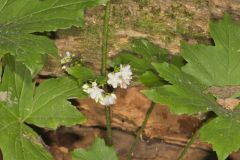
{"x": 20, "y": 18}
{"x": 81, "y": 73}
{"x": 23, "y": 54}
{"x": 150, "y": 79}
{"x": 222, "y": 133}
{"x": 85, "y": 75}
{"x": 22, "y": 103}
{"x": 206, "y": 66}
{"x": 216, "y": 65}
{"x": 143, "y": 54}
{"x": 185, "y": 95}
{"x": 98, "y": 151}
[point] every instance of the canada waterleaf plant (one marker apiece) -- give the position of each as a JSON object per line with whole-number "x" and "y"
{"x": 207, "y": 66}
{"x": 19, "y": 19}
{"x": 23, "y": 103}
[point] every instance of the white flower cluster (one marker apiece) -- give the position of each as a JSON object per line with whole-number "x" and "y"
{"x": 67, "y": 58}
{"x": 115, "y": 79}
{"x": 121, "y": 78}
{"x": 94, "y": 91}
{"x": 99, "y": 95}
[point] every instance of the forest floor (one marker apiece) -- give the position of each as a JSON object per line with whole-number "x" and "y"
{"x": 165, "y": 22}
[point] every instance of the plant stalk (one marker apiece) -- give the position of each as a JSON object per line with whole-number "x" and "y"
{"x": 193, "y": 138}
{"x": 108, "y": 125}
{"x": 105, "y": 38}
{"x": 190, "y": 142}
{"x": 140, "y": 131}
{"x": 104, "y": 67}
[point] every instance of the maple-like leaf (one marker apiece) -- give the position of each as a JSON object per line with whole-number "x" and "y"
{"x": 188, "y": 89}
{"x": 98, "y": 151}
{"x": 216, "y": 65}
{"x": 20, "y": 18}
{"x": 185, "y": 95}
{"x": 21, "y": 103}
{"x": 222, "y": 133}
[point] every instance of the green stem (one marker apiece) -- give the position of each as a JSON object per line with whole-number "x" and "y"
{"x": 140, "y": 131}
{"x": 193, "y": 138}
{"x": 104, "y": 67}
{"x": 190, "y": 142}
{"x": 105, "y": 38}
{"x": 108, "y": 124}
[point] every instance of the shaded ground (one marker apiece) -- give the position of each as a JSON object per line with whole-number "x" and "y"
{"x": 153, "y": 149}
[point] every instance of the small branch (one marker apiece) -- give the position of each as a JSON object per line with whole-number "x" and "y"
{"x": 140, "y": 131}
{"x": 108, "y": 125}
{"x": 105, "y": 38}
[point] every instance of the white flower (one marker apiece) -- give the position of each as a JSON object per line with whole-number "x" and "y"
{"x": 68, "y": 54}
{"x": 121, "y": 78}
{"x": 114, "y": 79}
{"x": 126, "y": 71}
{"x": 94, "y": 92}
{"x": 125, "y": 75}
{"x": 125, "y": 83}
{"x": 108, "y": 100}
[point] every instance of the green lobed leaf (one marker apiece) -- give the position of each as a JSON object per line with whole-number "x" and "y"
{"x": 22, "y": 103}
{"x": 81, "y": 73}
{"x": 149, "y": 51}
{"x": 217, "y": 65}
{"x": 185, "y": 95}
{"x": 222, "y": 133}
{"x": 18, "y": 19}
{"x": 98, "y": 151}
{"x": 50, "y": 108}
{"x": 149, "y": 79}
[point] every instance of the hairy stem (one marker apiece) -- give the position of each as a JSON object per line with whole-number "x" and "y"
{"x": 105, "y": 38}
{"x": 193, "y": 138}
{"x": 104, "y": 67}
{"x": 140, "y": 131}
{"x": 108, "y": 124}
{"x": 190, "y": 142}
